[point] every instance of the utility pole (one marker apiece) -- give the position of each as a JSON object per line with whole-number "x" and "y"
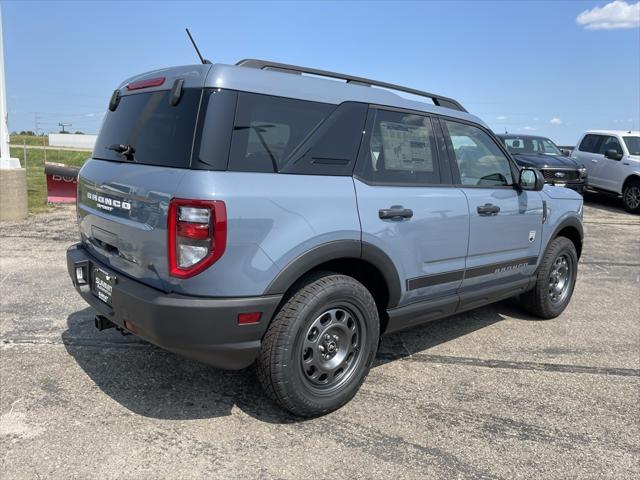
{"x": 36, "y": 123}
{"x": 13, "y": 179}
{"x": 5, "y": 154}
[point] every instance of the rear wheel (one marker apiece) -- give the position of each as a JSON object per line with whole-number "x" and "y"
{"x": 556, "y": 279}
{"x": 631, "y": 196}
{"x": 320, "y": 345}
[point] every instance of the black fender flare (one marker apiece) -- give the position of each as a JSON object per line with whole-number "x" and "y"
{"x": 336, "y": 250}
{"x": 571, "y": 221}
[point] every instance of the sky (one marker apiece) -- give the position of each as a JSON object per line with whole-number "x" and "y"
{"x": 554, "y": 68}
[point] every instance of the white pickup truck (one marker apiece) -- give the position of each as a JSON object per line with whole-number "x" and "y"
{"x": 612, "y": 160}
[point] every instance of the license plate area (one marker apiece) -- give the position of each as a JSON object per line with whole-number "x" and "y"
{"x": 102, "y": 285}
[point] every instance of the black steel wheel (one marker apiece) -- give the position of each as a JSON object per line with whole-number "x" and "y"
{"x": 330, "y": 350}
{"x": 560, "y": 278}
{"x": 320, "y": 345}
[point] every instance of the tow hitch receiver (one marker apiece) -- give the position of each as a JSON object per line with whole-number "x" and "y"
{"x": 102, "y": 322}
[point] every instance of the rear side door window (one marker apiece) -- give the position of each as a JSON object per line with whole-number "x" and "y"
{"x": 480, "y": 161}
{"x": 401, "y": 150}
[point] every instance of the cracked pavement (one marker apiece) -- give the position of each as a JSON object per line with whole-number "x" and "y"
{"x": 491, "y": 393}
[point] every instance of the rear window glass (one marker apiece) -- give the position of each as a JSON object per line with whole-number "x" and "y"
{"x": 159, "y": 133}
{"x": 269, "y": 129}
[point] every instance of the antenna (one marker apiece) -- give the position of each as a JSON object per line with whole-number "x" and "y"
{"x": 202, "y": 59}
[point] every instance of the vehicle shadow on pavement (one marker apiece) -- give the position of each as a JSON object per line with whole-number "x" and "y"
{"x": 158, "y": 384}
{"x": 605, "y": 203}
{"x": 424, "y": 337}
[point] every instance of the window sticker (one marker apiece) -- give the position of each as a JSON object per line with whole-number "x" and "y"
{"x": 406, "y": 147}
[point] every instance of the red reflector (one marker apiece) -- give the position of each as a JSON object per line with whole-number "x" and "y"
{"x": 197, "y": 231}
{"x": 152, "y": 82}
{"x": 249, "y": 318}
{"x": 130, "y": 326}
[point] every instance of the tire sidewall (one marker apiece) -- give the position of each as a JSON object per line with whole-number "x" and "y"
{"x": 624, "y": 197}
{"x": 561, "y": 246}
{"x": 354, "y": 297}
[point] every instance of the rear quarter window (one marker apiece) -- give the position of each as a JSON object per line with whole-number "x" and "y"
{"x": 268, "y": 130}
{"x": 160, "y": 133}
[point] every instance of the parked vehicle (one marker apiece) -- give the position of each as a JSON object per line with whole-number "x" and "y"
{"x": 541, "y": 153}
{"x": 566, "y": 149}
{"x": 612, "y": 159}
{"x": 255, "y": 213}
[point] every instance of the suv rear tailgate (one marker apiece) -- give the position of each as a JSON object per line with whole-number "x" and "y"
{"x": 122, "y": 213}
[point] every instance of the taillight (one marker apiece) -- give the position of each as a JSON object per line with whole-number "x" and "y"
{"x": 197, "y": 232}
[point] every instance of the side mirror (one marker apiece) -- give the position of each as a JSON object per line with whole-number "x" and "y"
{"x": 613, "y": 154}
{"x": 531, "y": 179}
{"x": 565, "y": 151}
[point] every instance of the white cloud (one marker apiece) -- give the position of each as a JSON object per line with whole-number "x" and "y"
{"x": 617, "y": 14}
{"x": 501, "y": 117}
{"x": 531, "y": 129}
{"x": 555, "y": 121}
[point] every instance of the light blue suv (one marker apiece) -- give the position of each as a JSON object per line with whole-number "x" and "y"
{"x": 288, "y": 217}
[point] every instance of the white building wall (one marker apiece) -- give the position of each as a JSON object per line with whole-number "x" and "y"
{"x": 72, "y": 140}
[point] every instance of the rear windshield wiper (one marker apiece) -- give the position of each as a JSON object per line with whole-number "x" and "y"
{"x": 126, "y": 151}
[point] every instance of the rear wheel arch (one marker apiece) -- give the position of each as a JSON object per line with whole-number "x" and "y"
{"x": 365, "y": 262}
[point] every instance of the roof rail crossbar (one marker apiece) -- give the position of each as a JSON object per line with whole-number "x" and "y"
{"x": 438, "y": 100}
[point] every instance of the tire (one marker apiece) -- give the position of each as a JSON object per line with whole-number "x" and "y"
{"x": 328, "y": 326}
{"x": 631, "y": 196}
{"x": 553, "y": 290}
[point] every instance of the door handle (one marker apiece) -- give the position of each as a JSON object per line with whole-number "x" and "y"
{"x": 488, "y": 209}
{"x": 396, "y": 211}
{"x": 594, "y": 161}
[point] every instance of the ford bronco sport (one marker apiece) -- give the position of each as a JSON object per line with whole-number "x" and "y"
{"x": 259, "y": 213}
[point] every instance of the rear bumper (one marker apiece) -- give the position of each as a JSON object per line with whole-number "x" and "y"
{"x": 204, "y": 329}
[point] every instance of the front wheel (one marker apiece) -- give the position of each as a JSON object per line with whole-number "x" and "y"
{"x": 631, "y": 196}
{"x": 320, "y": 345}
{"x": 556, "y": 279}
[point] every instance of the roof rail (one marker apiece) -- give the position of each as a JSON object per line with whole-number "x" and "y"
{"x": 438, "y": 100}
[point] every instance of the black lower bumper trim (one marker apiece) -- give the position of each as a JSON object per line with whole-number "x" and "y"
{"x": 205, "y": 329}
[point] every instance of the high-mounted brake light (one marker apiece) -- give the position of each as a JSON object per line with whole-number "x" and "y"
{"x": 151, "y": 82}
{"x": 197, "y": 235}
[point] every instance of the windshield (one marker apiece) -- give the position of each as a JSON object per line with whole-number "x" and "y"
{"x": 531, "y": 145}
{"x": 633, "y": 145}
{"x": 146, "y": 128}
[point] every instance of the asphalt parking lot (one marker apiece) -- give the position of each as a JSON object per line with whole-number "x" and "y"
{"x": 491, "y": 393}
